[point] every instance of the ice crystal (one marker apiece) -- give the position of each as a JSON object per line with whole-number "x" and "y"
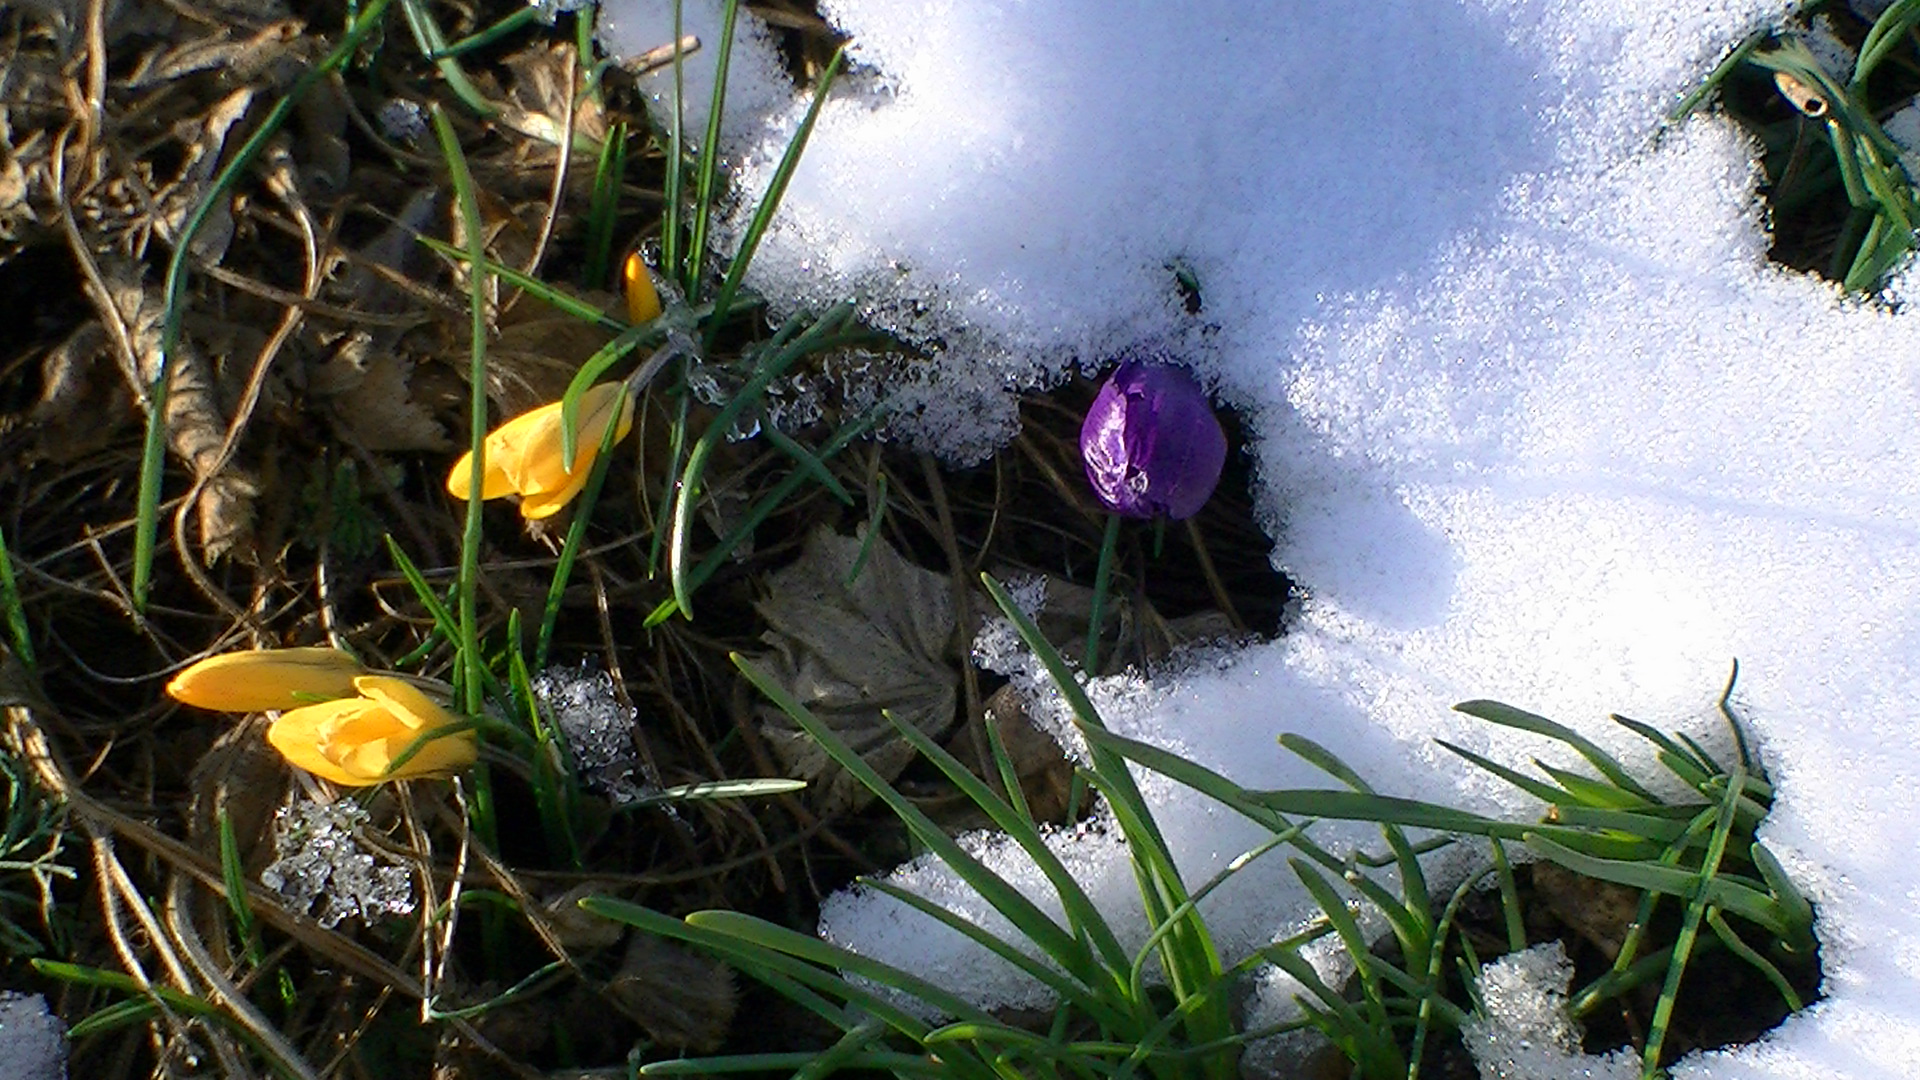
{"x": 318, "y": 859}
{"x": 1526, "y": 1033}
{"x": 402, "y": 120}
{"x": 598, "y": 728}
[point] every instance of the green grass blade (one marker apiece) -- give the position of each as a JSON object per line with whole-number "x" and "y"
{"x": 512, "y": 993}
{"x": 771, "y": 936}
{"x": 1889, "y": 31}
{"x": 102, "y": 979}
{"x": 1107, "y": 764}
{"x": 235, "y": 879}
{"x": 1725, "y": 705}
{"x": 555, "y": 783}
{"x": 597, "y": 365}
{"x": 1190, "y": 960}
{"x": 1413, "y": 881}
{"x": 562, "y": 302}
{"x": 1070, "y": 952}
{"x": 770, "y": 202}
{"x": 1689, "y": 768}
{"x": 1507, "y": 716}
{"x": 481, "y": 39}
{"x": 442, "y": 616}
{"x": 808, "y": 463}
{"x": 874, "y": 517}
{"x": 1659, "y": 828}
{"x": 1619, "y": 981}
{"x": 19, "y": 633}
{"x": 1245, "y": 802}
{"x": 707, "y": 171}
{"x": 1102, "y": 580}
{"x": 1514, "y": 919}
{"x": 1722, "y": 891}
{"x": 1545, "y": 792}
{"x": 433, "y": 43}
{"x": 671, "y": 224}
{"x": 1592, "y": 792}
{"x": 1082, "y": 916}
{"x": 576, "y": 535}
{"x": 848, "y": 1049}
{"x": 1759, "y": 963}
{"x": 1137, "y": 975}
{"x": 755, "y": 957}
{"x": 1794, "y": 906}
{"x": 889, "y": 1061}
{"x": 724, "y": 789}
{"x": 1334, "y": 909}
{"x": 1371, "y": 1050}
{"x": 773, "y": 363}
{"x": 1719, "y": 74}
{"x": 603, "y": 208}
{"x": 1696, "y": 909}
{"x": 471, "y": 665}
{"x": 1067, "y": 989}
{"x": 758, "y": 514}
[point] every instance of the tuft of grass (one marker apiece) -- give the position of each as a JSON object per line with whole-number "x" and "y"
{"x": 1699, "y": 852}
{"x": 1860, "y": 175}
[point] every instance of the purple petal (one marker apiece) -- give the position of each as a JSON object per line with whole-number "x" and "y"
{"x": 1151, "y": 442}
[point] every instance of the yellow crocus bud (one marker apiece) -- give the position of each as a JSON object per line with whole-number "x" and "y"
{"x": 355, "y": 741}
{"x": 523, "y": 455}
{"x": 267, "y": 679}
{"x": 643, "y": 300}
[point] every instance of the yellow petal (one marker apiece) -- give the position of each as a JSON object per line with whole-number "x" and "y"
{"x": 405, "y": 702}
{"x": 548, "y": 485}
{"x": 440, "y": 755}
{"x": 643, "y": 300}
{"x": 266, "y": 679}
{"x": 355, "y": 741}
{"x": 302, "y": 736}
{"x": 493, "y": 483}
{"x": 524, "y": 454}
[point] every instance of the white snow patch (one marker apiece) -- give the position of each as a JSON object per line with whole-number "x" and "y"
{"x": 1526, "y": 1034}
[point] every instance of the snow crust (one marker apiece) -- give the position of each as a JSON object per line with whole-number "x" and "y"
{"x": 1526, "y": 1034}
{"x": 1534, "y": 418}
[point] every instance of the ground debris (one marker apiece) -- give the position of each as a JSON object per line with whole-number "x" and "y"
{"x": 848, "y": 647}
{"x": 196, "y": 425}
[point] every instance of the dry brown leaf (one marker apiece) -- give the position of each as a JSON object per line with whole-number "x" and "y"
{"x": 539, "y": 349}
{"x": 322, "y": 115}
{"x": 370, "y": 401}
{"x": 196, "y": 425}
{"x": 243, "y": 56}
{"x": 178, "y": 200}
{"x": 681, "y": 998}
{"x": 1044, "y": 772}
{"x": 1601, "y": 912}
{"x": 536, "y": 106}
{"x": 82, "y": 406}
{"x": 848, "y": 651}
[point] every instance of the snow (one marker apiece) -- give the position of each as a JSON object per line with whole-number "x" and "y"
{"x": 1535, "y": 419}
{"x": 1526, "y": 1034}
{"x": 33, "y": 1041}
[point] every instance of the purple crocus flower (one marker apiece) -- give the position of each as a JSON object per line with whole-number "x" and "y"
{"x": 1151, "y": 442}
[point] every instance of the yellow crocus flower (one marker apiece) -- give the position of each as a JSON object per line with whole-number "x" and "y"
{"x": 267, "y": 679}
{"x": 354, "y": 741}
{"x": 523, "y": 455}
{"x": 643, "y": 300}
